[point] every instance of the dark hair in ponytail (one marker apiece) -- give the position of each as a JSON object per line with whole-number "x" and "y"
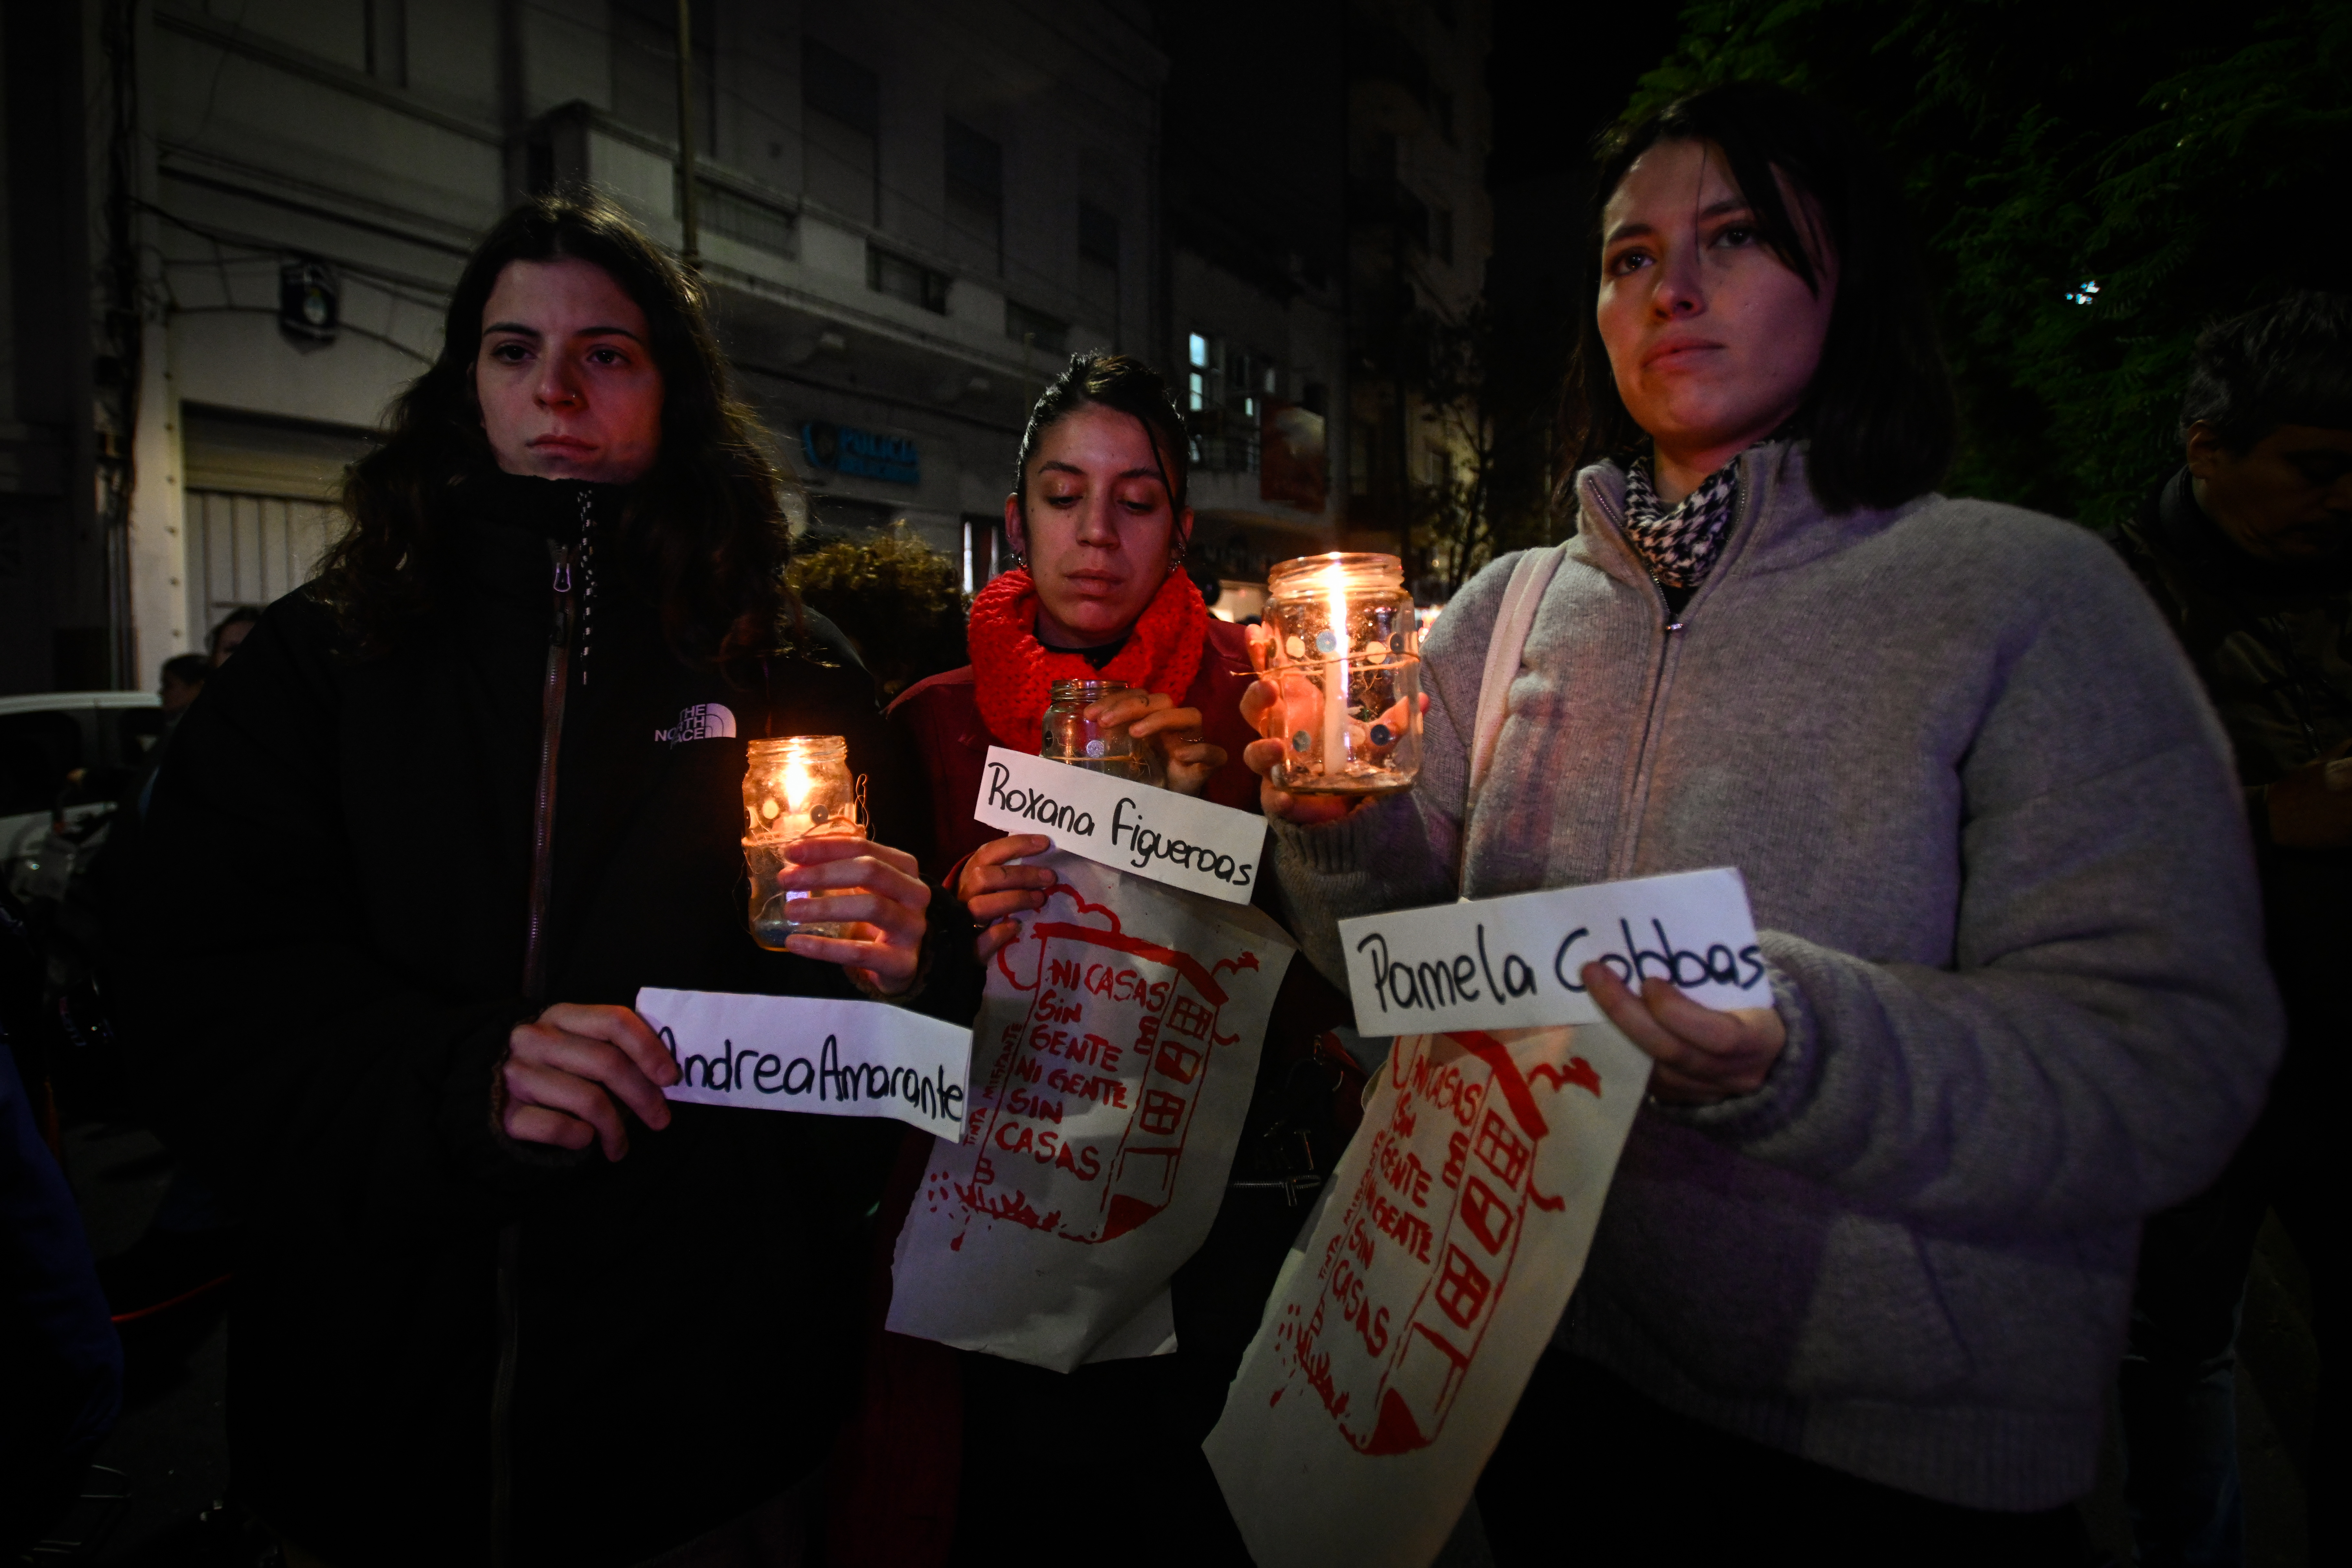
{"x": 1880, "y": 411}
{"x": 703, "y": 531}
{"x": 1098, "y": 380}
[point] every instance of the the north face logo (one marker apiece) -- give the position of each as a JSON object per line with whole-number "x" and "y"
{"x": 703, "y": 721}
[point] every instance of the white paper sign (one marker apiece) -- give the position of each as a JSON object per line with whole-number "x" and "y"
{"x": 813, "y": 1054}
{"x": 1113, "y": 1062}
{"x": 1401, "y": 1336}
{"x": 1513, "y": 963}
{"x": 1143, "y": 831}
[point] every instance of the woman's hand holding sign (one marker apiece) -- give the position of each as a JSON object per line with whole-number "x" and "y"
{"x": 1704, "y": 1055}
{"x": 994, "y": 891}
{"x": 564, "y": 1069}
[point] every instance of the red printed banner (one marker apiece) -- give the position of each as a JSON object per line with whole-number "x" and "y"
{"x": 1399, "y": 1337}
{"x": 1112, "y": 1063}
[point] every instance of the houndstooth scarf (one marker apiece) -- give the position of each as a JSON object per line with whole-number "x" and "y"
{"x": 1679, "y": 543}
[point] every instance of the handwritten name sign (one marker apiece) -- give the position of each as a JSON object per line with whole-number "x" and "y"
{"x": 1154, "y": 832}
{"x": 1515, "y": 963}
{"x": 813, "y": 1054}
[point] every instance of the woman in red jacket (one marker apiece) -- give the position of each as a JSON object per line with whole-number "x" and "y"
{"x": 1100, "y": 525}
{"x": 948, "y": 1443}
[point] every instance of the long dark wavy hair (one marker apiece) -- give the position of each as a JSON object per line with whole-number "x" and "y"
{"x": 702, "y": 534}
{"x": 1880, "y": 411}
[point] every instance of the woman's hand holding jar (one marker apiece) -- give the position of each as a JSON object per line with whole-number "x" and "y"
{"x": 1186, "y": 759}
{"x": 875, "y": 892}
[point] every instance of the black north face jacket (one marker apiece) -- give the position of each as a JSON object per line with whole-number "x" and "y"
{"x": 317, "y": 979}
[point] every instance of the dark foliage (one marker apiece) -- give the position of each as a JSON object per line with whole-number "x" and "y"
{"x": 2096, "y": 182}
{"x": 901, "y": 602}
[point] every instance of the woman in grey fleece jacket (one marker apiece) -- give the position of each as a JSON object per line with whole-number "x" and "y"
{"x": 1995, "y": 858}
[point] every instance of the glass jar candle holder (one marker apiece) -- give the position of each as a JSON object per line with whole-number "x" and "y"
{"x": 1071, "y": 737}
{"x": 797, "y": 787}
{"x": 1341, "y": 646}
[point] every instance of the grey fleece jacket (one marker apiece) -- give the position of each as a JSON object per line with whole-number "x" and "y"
{"x": 1996, "y": 855}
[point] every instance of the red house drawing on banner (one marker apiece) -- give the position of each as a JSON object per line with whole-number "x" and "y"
{"x": 1411, "y": 1281}
{"x": 1114, "y": 1022}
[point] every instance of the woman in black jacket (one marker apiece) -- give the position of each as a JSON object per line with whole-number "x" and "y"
{"x": 407, "y": 866}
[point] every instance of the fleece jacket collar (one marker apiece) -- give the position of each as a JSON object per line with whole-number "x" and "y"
{"x": 1777, "y": 524}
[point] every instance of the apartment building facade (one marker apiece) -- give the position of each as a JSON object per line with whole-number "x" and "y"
{"x": 910, "y": 213}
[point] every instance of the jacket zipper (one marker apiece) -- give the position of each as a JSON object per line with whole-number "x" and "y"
{"x": 1637, "y": 787}
{"x": 534, "y": 986}
{"x": 551, "y": 746}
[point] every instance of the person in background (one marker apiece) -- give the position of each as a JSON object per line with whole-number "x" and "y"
{"x": 1098, "y": 532}
{"x": 2247, "y": 550}
{"x": 1099, "y": 522}
{"x": 60, "y": 1361}
{"x": 184, "y": 677}
{"x": 190, "y": 1247}
{"x": 410, "y": 861}
{"x": 1859, "y": 1285}
{"x": 234, "y": 628}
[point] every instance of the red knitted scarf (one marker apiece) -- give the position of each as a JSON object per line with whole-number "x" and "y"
{"x": 1014, "y": 673}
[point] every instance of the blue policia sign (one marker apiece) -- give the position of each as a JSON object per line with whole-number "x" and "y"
{"x": 861, "y": 454}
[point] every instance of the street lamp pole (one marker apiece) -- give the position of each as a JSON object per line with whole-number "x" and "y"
{"x": 689, "y": 196}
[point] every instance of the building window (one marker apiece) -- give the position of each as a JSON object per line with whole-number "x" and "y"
{"x": 983, "y": 555}
{"x": 1225, "y": 393}
{"x": 1099, "y": 263}
{"x": 1036, "y": 329}
{"x": 903, "y": 279}
{"x": 1202, "y": 353}
{"x": 841, "y": 128}
{"x": 745, "y": 219}
{"x": 975, "y": 192}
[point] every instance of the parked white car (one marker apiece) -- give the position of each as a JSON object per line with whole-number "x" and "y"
{"x": 62, "y": 754}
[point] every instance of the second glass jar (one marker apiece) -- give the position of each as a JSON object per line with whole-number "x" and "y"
{"x": 1071, "y": 737}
